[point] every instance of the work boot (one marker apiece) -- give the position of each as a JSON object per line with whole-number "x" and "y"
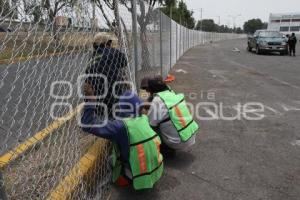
{"x": 122, "y": 182}
{"x": 167, "y": 152}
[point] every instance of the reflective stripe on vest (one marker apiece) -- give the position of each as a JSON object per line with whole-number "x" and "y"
{"x": 179, "y": 114}
{"x": 142, "y": 158}
{"x": 144, "y": 155}
{"x": 158, "y": 143}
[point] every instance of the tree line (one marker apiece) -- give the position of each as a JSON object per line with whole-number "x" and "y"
{"x": 176, "y": 9}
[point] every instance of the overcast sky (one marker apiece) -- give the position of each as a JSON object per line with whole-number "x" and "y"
{"x": 247, "y": 8}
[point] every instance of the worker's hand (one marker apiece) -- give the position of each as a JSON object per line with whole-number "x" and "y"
{"x": 144, "y": 109}
{"x": 89, "y": 91}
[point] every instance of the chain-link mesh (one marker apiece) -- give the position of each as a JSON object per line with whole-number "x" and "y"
{"x": 46, "y": 48}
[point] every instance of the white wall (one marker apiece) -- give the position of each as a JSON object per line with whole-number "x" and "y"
{"x": 284, "y": 20}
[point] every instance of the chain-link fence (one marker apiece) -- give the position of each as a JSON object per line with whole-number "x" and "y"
{"x": 46, "y": 48}
{"x": 160, "y": 40}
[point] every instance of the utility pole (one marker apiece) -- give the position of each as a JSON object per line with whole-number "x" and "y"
{"x": 234, "y": 17}
{"x": 219, "y": 22}
{"x": 201, "y": 17}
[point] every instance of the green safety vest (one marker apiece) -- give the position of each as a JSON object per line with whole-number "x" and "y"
{"x": 179, "y": 114}
{"x": 145, "y": 159}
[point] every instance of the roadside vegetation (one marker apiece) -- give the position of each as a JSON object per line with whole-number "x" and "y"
{"x": 24, "y": 45}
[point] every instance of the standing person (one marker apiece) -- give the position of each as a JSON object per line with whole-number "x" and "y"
{"x": 170, "y": 117}
{"x": 136, "y": 146}
{"x": 292, "y": 44}
{"x": 287, "y": 41}
{"x": 108, "y": 62}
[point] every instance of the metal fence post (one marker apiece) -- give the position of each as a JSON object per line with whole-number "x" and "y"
{"x": 161, "y": 45}
{"x": 171, "y": 40}
{"x": 135, "y": 43}
{"x": 176, "y": 42}
{"x": 193, "y": 41}
{"x": 193, "y": 38}
{"x": 182, "y": 39}
{"x": 180, "y": 35}
{"x": 188, "y": 39}
{"x": 94, "y": 18}
{"x": 2, "y": 189}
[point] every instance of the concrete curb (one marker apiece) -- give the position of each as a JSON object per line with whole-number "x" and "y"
{"x": 30, "y": 142}
{"x": 81, "y": 172}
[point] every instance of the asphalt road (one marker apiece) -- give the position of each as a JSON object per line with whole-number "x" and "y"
{"x": 235, "y": 159}
{"x": 25, "y": 96}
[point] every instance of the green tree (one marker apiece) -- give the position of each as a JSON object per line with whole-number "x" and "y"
{"x": 52, "y": 7}
{"x": 144, "y": 18}
{"x": 239, "y": 30}
{"x": 208, "y": 25}
{"x": 253, "y": 25}
{"x": 225, "y": 29}
{"x": 169, "y": 3}
{"x": 180, "y": 13}
{"x": 34, "y": 8}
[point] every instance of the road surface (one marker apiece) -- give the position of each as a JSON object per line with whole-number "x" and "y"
{"x": 235, "y": 159}
{"x": 25, "y": 95}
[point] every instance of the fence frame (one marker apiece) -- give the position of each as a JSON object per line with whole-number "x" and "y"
{"x": 2, "y": 188}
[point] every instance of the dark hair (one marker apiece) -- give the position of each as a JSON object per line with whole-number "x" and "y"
{"x": 157, "y": 85}
{"x": 109, "y": 43}
{"x": 103, "y": 45}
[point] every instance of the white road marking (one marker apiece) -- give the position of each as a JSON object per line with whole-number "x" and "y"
{"x": 218, "y": 73}
{"x": 288, "y": 108}
{"x": 296, "y": 143}
{"x": 236, "y": 50}
{"x": 269, "y": 76}
{"x": 276, "y": 112}
{"x": 181, "y": 71}
{"x": 210, "y": 112}
{"x": 236, "y": 108}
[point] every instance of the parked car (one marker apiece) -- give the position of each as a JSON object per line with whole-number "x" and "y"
{"x": 264, "y": 41}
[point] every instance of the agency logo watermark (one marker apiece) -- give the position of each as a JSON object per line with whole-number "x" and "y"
{"x": 203, "y": 105}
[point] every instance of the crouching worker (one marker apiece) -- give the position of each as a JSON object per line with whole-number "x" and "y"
{"x": 136, "y": 156}
{"x": 170, "y": 116}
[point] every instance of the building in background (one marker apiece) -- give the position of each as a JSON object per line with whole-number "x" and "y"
{"x": 285, "y": 22}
